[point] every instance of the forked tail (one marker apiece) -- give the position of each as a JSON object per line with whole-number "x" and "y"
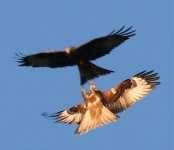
{"x": 89, "y": 71}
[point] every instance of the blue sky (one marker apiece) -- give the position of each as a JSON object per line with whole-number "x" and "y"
{"x": 25, "y": 93}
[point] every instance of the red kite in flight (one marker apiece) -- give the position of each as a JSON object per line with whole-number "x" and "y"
{"x": 80, "y": 56}
{"x": 100, "y": 108}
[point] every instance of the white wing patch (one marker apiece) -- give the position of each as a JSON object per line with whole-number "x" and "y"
{"x": 142, "y": 89}
{"x": 65, "y": 117}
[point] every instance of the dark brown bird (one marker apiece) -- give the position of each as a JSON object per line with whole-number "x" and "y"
{"x": 100, "y": 108}
{"x": 80, "y": 56}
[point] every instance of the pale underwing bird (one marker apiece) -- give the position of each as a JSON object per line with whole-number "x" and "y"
{"x": 79, "y": 56}
{"x": 100, "y": 108}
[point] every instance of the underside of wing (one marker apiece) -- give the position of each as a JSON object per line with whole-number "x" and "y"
{"x": 101, "y": 46}
{"x": 131, "y": 90}
{"x": 72, "y": 115}
{"x": 50, "y": 59}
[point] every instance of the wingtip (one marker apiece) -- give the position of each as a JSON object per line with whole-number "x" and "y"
{"x": 52, "y": 116}
{"x": 150, "y": 76}
{"x": 20, "y": 58}
{"x": 19, "y": 54}
{"x": 124, "y": 32}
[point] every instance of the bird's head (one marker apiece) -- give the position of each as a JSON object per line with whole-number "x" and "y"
{"x": 70, "y": 49}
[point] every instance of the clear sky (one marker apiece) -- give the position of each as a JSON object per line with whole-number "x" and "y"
{"x": 25, "y": 93}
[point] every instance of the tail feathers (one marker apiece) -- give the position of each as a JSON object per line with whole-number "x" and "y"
{"x": 89, "y": 71}
{"x": 88, "y": 123}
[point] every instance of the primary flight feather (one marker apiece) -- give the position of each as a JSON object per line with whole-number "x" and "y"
{"x": 80, "y": 56}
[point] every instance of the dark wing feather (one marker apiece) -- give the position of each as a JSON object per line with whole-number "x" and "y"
{"x": 130, "y": 91}
{"x": 101, "y": 46}
{"x": 50, "y": 59}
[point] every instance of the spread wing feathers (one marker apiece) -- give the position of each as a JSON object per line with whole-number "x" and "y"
{"x": 90, "y": 122}
{"x": 131, "y": 90}
{"x": 50, "y": 59}
{"x": 101, "y": 46}
{"x": 72, "y": 115}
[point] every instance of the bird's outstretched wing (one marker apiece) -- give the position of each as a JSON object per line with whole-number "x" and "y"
{"x": 101, "y": 46}
{"x": 130, "y": 91}
{"x": 72, "y": 115}
{"x": 50, "y": 59}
